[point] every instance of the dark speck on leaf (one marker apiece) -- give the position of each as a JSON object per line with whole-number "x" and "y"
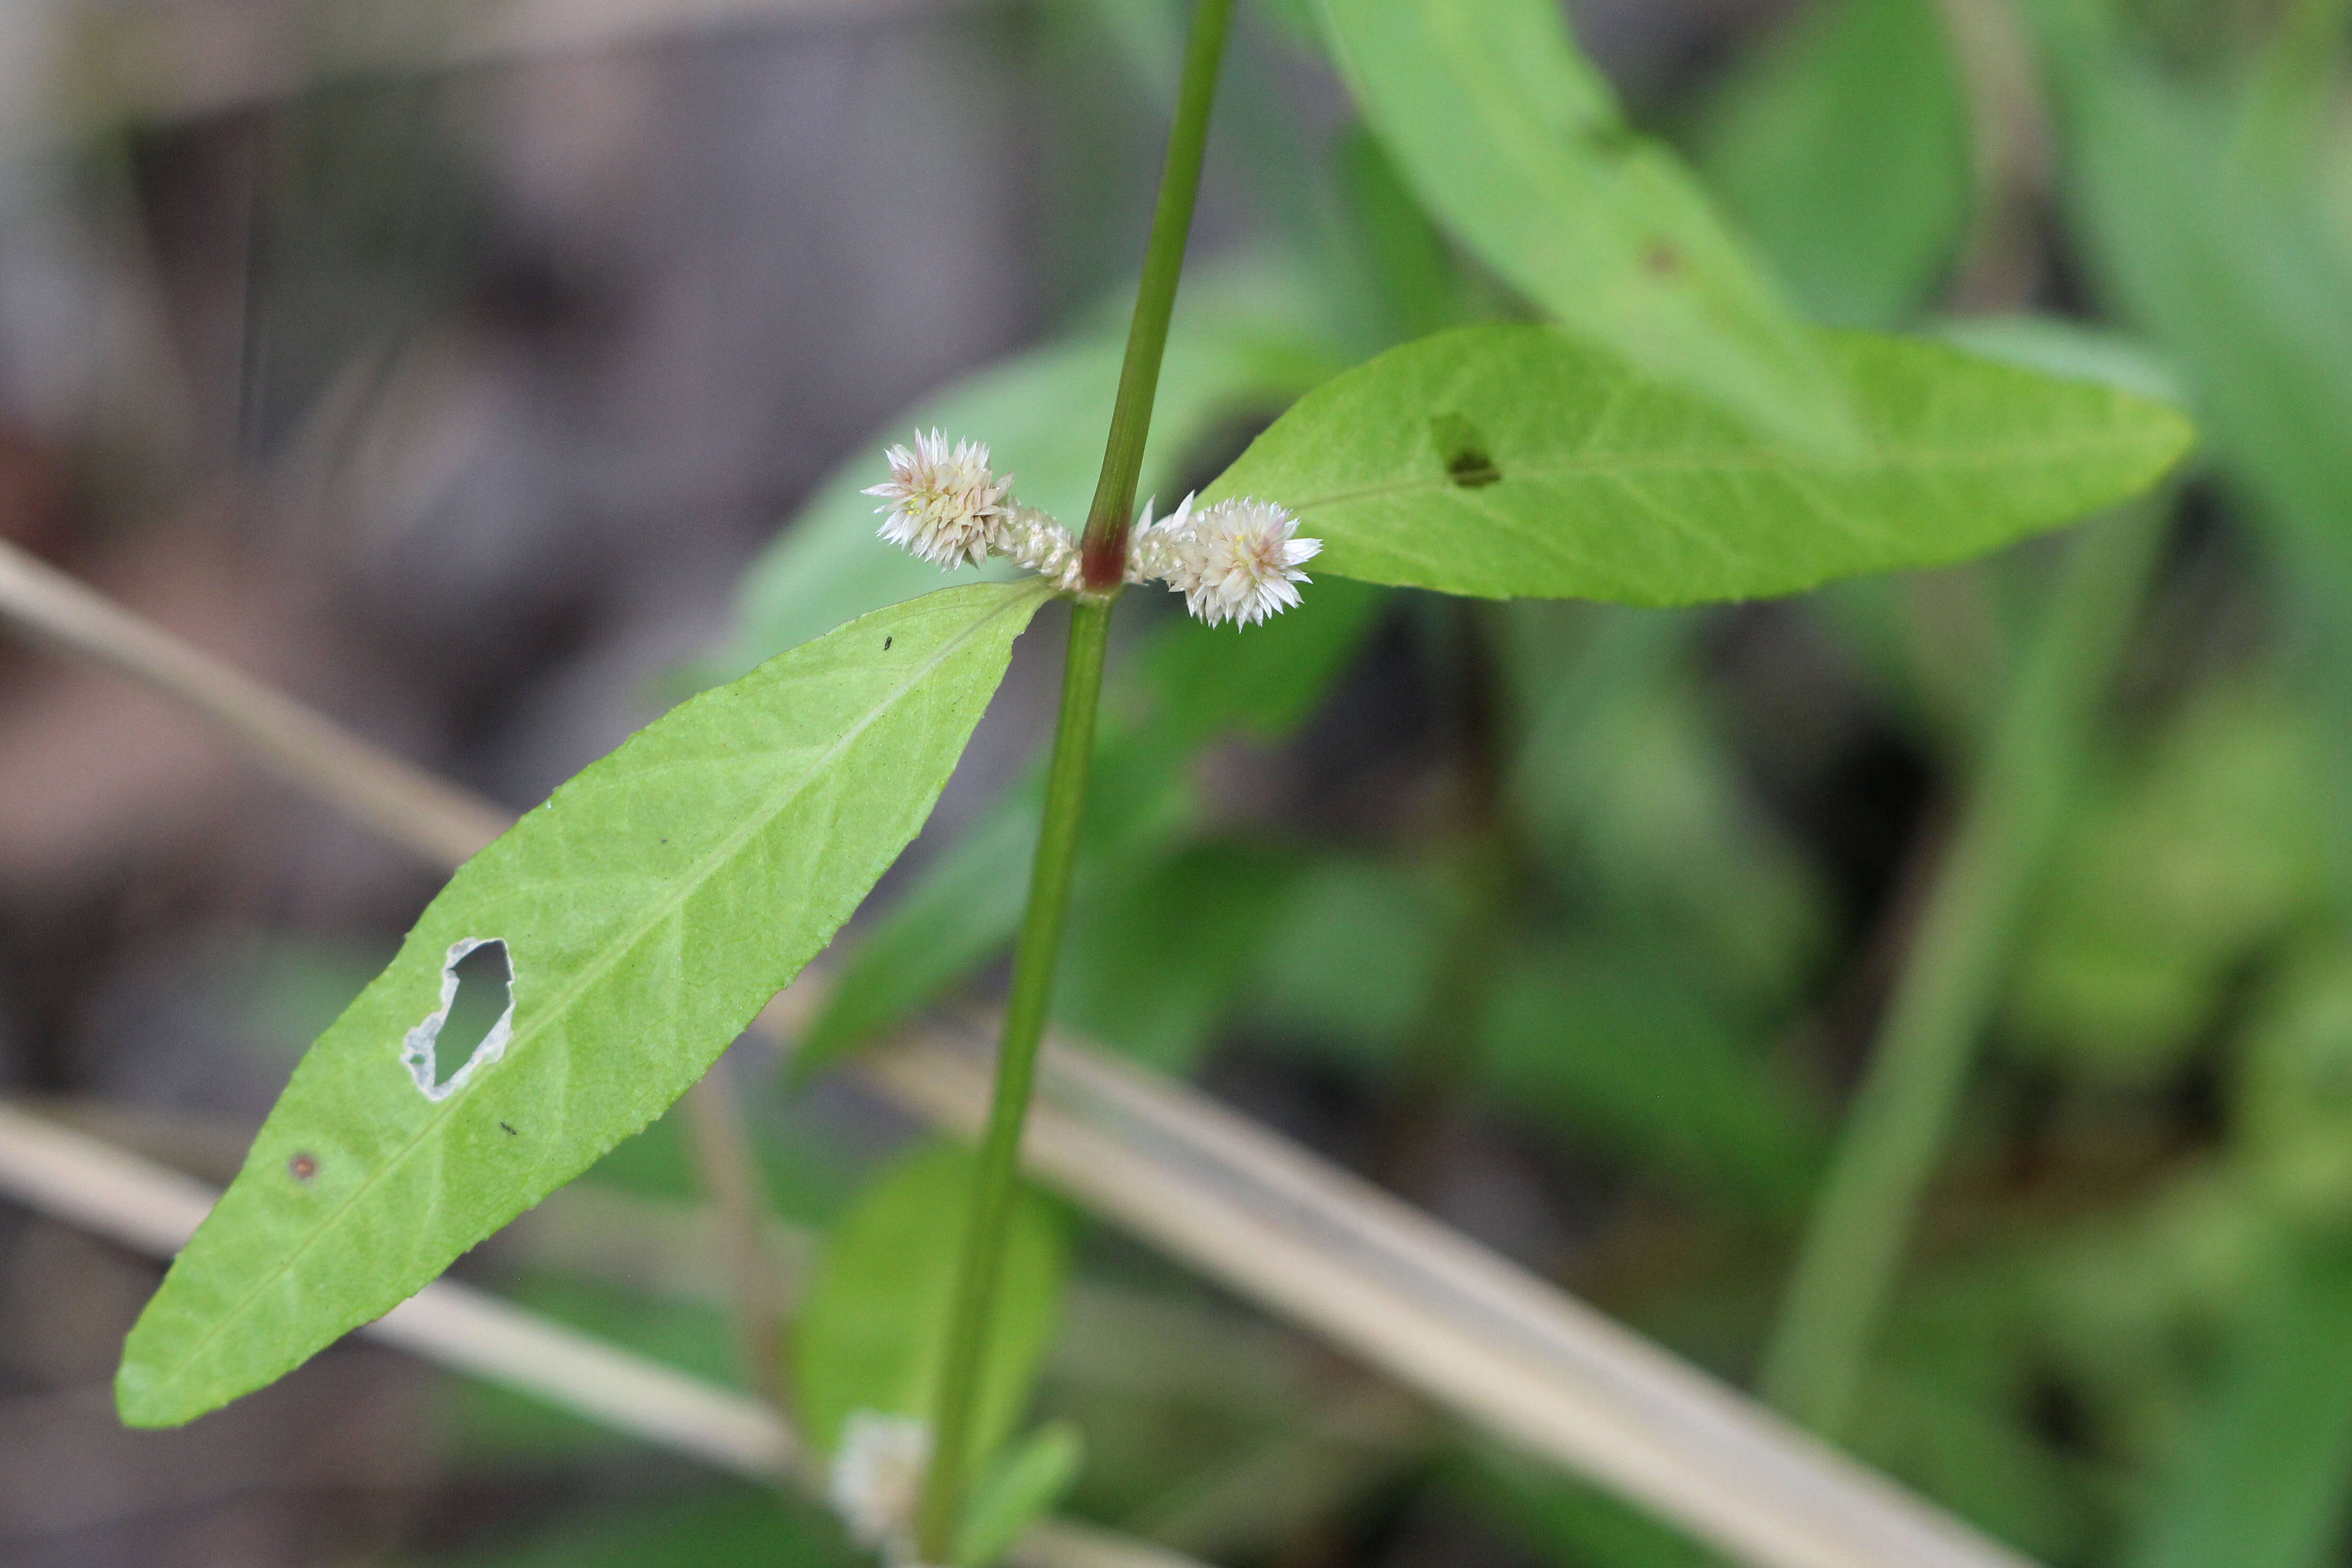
{"x": 1463, "y": 452}
{"x": 507, "y": 1129}
{"x": 302, "y": 1167}
{"x": 1662, "y": 260}
{"x": 885, "y": 645}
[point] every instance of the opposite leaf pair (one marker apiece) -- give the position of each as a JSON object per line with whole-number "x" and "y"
{"x": 660, "y": 898}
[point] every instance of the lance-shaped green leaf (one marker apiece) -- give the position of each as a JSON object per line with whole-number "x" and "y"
{"x": 1517, "y": 144}
{"x": 647, "y": 911}
{"x": 1510, "y": 461}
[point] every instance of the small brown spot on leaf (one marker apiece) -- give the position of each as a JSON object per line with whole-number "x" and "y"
{"x": 302, "y": 1167}
{"x": 1662, "y": 260}
{"x": 1463, "y": 450}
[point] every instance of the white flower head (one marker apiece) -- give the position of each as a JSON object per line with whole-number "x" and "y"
{"x": 877, "y": 1485}
{"x": 944, "y": 504}
{"x": 1238, "y": 560}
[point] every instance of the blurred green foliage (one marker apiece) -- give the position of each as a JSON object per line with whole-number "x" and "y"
{"x": 692, "y": 1530}
{"x": 1842, "y": 142}
{"x": 871, "y": 1335}
{"x": 2121, "y": 1337}
{"x": 1665, "y": 925}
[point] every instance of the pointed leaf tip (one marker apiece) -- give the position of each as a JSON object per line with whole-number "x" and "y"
{"x": 1513, "y": 461}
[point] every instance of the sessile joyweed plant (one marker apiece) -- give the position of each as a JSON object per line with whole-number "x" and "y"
{"x": 1671, "y": 434}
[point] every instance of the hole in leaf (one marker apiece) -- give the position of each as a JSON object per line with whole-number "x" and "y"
{"x": 483, "y": 983}
{"x": 470, "y": 1027}
{"x": 1462, "y": 451}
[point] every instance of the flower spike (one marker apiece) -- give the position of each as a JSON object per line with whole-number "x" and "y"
{"x": 1237, "y": 560}
{"x": 1033, "y": 539}
{"x": 944, "y": 506}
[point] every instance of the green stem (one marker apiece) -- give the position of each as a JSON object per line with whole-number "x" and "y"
{"x": 995, "y": 1184}
{"x": 1901, "y": 1119}
{"x": 1113, "y": 512}
{"x": 983, "y": 1260}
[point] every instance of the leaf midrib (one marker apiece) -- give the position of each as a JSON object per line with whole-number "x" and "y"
{"x": 725, "y": 851}
{"x": 1747, "y": 461}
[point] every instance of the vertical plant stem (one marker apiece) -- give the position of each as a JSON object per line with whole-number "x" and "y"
{"x": 1016, "y": 1067}
{"x": 1113, "y": 512}
{"x": 1902, "y": 1117}
{"x": 2009, "y": 143}
{"x": 1040, "y": 941}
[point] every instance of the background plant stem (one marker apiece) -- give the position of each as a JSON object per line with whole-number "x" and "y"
{"x": 1065, "y": 789}
{"x": 1902, "y": 1117}
{"x": 1113, "y": 511}
{"x": 1480, "y": 856}
{"x": 728, "y": 1170}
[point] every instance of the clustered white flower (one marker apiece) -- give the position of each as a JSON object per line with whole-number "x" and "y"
{"x": 1236, "y": 561}
{"x": 945, "y": 506}
{"x": 877, "y": 1484}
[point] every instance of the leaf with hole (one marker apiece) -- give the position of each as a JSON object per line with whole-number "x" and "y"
{"x": 1512, "y": 139}
{"x": 648, "y": 910}
{"x": 1511, "y": 460}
